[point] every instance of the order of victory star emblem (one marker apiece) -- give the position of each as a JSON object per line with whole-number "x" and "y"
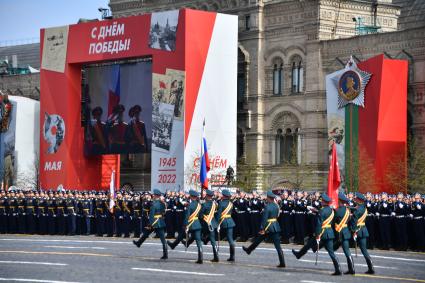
{"x": 351, "y": 85}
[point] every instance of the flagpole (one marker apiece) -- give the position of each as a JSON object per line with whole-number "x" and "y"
{"x": 202, "y": 141}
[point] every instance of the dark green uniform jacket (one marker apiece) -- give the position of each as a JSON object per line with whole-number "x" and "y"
{"x": 205, "y": 211}
{"x": 328, "y": 232}
{"x": 156, "y": 215}
{"x": 269, "y": 218}
{"x": 345, "y": 233}
{"x": 355, "y": 227}
{"x": 196, "y": 224}
{"x": 227, "y": 221}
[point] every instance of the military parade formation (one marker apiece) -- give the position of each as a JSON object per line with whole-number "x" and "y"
{"x": 364, "y": 221}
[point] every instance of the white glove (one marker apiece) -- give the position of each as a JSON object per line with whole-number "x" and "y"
{"x": 418, "y": 206}
{"x": 377, "y": 214}
{"x": 411, "y": 215}
{"x": 385, "y": 204}
{"x": 400, "y": 205}
{"x": 393, "y": 213}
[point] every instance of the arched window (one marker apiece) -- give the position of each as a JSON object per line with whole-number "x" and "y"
{"x": 297, "y": 75}
{"x": 286, "y": 146}
{"x": 277, "y": 79}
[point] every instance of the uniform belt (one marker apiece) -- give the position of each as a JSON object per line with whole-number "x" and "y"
{"x": 299, "y": 212}
{"x": 361, "y": 224}
{"x": 399, "y": 216}
{"x": 99, "y": 208}
{"x": 226, "y": 216}
{"x": 417, "y": 217}
{"x": 286, "y": 212}
{"x": 385, "y": 215}
{"x": 138, "y": 210}
{"x": 30, "y": 206}
{"x": 370, "y": 214}
{"x": 270, "y": 221}
{"x": 254, "y": 211}
{"x": 168, "y": 209}
{"x": 157, "y": 216}
{"x": 2, "y": 207}
{"x": 20, "y": 206}
{"x": 240, "y": 212}
{"x": 327, "y": 226}
{"x": 179, "y": 210}
{"x": 86, "y": 209}
{"x": 60, "y": 207}
{"x": 145, "y": 209}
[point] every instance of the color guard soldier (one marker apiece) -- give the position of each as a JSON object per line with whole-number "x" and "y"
{"x": 192, "y": 225}
{"x": 324, "y": 235}
{"x": 269, "y": 227}
{"x": 156, "y": 223}
{"x": 225, "y": 221}
{"x": 359, "y": 230}
{"x": 342, "y": 231}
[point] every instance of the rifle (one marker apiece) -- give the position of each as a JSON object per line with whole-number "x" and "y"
{"x": 355, "y": 245}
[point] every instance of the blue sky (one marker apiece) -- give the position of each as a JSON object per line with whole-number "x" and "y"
{"x": 22, "y": 19}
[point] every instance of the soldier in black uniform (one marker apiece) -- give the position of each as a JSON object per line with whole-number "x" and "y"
{"x": 300, "y": 208}
{"x": 127, "y": 207}
{"x": 385, "y": 211}
{"x": 242, "y": 221}
{"x": 79, "y": 213}
{"x": 60, "y": 216}
{"x": 71, "y": 208}
{"x": 30, "y": 205}
{"x": 418, "y": 213}
{"x": 286, "y": 218}
{"x": 3, "y": 212}
{"x": 109, "y": 217}
{"x": 255, "y": 207}
{"x": 21, "y": 213}
{"x": 370, "y": 220}
{"x": 99, "y": 214}
{"x": 42, "y": 211}
{"x": 181, "y": 203}
{"x": 401, "y": 211}
{"x": 13, "y": 213}
{"x": 51, "y": 214}
{"x": 137, "y": 215}
{"x": 118, "y": 215}
{"x": 169, "y": 203}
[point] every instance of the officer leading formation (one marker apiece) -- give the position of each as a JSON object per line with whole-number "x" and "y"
{"x": 361, "y": 221}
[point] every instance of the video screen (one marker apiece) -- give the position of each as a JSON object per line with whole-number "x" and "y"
{"x": 117, "y": 108}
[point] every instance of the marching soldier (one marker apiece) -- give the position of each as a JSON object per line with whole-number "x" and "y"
{"x": 225, "y": 221}
{"x": 342, "y": 231}
{"x": 360, "y": 233}
{"x": 324, "y": 235}
{"x": 156, "y": 223}
{"x": 192, "y": 224}
{"x": 269, "y": 226}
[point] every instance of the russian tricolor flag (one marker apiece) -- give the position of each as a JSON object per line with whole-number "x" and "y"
{"x": 205, "y": 161}
{"x": 114, "y": 93}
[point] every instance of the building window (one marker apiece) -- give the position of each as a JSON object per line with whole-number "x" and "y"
{"x": 297, "y": 76}
{"x": 286, "y": 146}
{"x": 247, "y": 22}
{"x": 277, "y": 79}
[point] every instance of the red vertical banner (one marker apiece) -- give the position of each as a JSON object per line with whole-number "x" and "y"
{"x": 383, "y": 127}
{"x": 334, "y": 177}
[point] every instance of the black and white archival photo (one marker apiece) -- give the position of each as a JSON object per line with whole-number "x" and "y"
{"x": 163, "y": 30}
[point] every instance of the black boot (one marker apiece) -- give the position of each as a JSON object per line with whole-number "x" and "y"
{"x": 247, "y": 250}
{"x": 164, "y": 252}
{"x": 350, "y": 264}
{"x": 139, "y": 242}
{"x": 200, "y": 256}
{"x": 302, "y": 252}
{"x": 252, "y": 247}
{"x": 370, "y": 269}
{"x": 337, "y": 267}
{"x": 172, "y": 245}
{"x": 281, "y": 259}
{"x": 215, "y": 259}
{"x": 232, "y": 253}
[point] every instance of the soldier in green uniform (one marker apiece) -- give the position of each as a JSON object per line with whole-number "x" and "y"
{"x": 156, "y": 222}
{"x": 269, "y": 226}
{"x": 208, "y": 213}
{"x": 359, "y": 230}
{"x": 225, "y": 221}
{"x": 324, "y": 235}
{"x": 342, "y": 231}
{"x": 192, "y": 224}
